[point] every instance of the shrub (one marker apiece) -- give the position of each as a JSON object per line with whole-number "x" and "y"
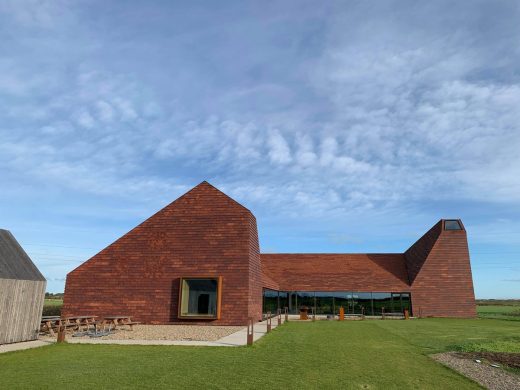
{"x": 51, "y": 310}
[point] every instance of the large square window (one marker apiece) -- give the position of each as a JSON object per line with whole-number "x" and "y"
{"x": 200, "y": 298}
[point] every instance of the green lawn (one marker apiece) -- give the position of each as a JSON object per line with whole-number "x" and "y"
{"x": 509, "y": 312}
{"x": 351, "y": 354}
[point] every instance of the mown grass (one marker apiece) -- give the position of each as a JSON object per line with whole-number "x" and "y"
{"x": 351, "y": 354}
{"x": 506, "y": 312}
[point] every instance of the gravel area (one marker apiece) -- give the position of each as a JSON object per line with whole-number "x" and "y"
{"x": 490, "y": 377}
{"x": 169, "y": 332}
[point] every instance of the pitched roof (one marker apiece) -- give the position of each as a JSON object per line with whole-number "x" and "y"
{"x": 14, "y": 262}
{"x": 417, "y": 254}
{"x": 328, "y": 272}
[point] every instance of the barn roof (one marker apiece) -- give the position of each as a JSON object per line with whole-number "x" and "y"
{"x": 329, "y": 272}
{"x": 14, "y": 262}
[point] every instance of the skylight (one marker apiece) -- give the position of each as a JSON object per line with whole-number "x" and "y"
{"x": 452, "y": 224}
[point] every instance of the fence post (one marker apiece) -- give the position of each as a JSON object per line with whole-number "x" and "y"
{"x": 286, "y": 314}
{"x": 268, "y": 321}
{"x": 341, "y": 313}
{"x": 362, "y": 312}
{"x": 313, "y": 314}
{"x": 61, "y": 334}
{"x": 406, "y": 314}
{"x": 279, "y": 315}
{"x": 383, "y": 313}
{"x": 250, "y": 333}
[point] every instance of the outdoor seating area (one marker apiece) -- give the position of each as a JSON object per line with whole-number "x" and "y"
{"x": 90, "y": 325}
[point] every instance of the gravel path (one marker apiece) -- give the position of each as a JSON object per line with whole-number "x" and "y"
{"x": 490, "y": 377}
{"x": 169, "y": 332}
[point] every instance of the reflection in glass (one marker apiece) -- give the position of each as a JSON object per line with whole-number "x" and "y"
{"x": 330, "y": 302}
{"x": 305, "y": 298}
{"x": 283, "y": 300}
{"x": 270, "y": 301}
{"x": 341, "y": 299}
{"x": 362, "y": 303}
{"x": 381, "y": 300}
{"x": 405, "y": 301}
{"x": 324, "y": 303}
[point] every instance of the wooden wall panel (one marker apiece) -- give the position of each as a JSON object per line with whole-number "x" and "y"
{"x": 21, "y": 303}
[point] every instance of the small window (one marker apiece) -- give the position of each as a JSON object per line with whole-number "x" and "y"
{"x": 452, "y": 224}
{"x": 200, "y": 298}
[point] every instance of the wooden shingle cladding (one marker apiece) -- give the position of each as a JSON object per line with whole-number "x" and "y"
{"x": 336, "y": 272}
{"x": 440, "y": 274}
{"x": 22, "y": 292}
{"x": 206, "y": 233}
{"x": 203, "y": 233}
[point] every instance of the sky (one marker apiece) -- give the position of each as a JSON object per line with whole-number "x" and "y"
{"x": 344, "y": 126}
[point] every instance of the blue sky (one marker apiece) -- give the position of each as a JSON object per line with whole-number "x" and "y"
{"x": 347, "y": 126}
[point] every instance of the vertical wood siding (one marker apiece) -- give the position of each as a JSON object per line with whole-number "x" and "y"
{"x": 21, "y": 303}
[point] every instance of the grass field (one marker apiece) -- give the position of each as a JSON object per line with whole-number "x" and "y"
{"x": 506, "y": 312}
{"x": 351, "y": 354}
{"x": 53, "y": 302}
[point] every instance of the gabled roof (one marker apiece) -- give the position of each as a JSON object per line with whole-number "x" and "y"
{"x": 203, "y": 204}
{"x": 328, "y": 272}
{"x": 14, "y": 262}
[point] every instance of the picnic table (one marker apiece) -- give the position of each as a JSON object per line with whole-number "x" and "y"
{"x": 48, "y": 322}
{"x": 78, "y": 321}
{"x": 120, "y": 320}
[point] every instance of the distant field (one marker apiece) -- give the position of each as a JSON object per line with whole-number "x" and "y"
{"x": 53, "y": 302}
{"x": 499, "y": 312}
{"x": 498, "y": 302}
{"x": 52, "y": 307}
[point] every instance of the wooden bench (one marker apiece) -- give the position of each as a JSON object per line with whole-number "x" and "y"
{"x": 131, "y": 324}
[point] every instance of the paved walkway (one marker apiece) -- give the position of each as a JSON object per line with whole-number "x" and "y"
{"x": 233, "y": 340}
{"x": 22, "y": 346}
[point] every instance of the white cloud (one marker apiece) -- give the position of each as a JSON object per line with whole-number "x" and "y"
{"x": 84, "y": 119}
{"x": 105, "y": 111}
{"x": 279, "y": 150}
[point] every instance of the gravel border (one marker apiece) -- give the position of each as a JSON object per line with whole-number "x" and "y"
{"x": 167, "y": 332}
{"x": 490, "y": 377}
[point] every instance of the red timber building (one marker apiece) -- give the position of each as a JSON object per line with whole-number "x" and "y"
{"x": 198, "y": 261}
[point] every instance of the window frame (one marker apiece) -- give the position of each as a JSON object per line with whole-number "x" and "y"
{"x": 458, "y": 221}
{"x": 217, "y": 315}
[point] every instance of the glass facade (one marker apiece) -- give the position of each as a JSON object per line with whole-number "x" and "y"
{"x": 367, "y": 303}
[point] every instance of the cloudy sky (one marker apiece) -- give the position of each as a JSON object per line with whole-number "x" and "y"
{"x": 348, "y": 126}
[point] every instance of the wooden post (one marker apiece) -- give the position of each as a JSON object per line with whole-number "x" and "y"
{"x": 279, "y": 315}
{"x": 61, "y": 334}
{"x": 268, "y": 321}
{"x": 286, "y": 314}
{"x": 406, "y": 314}
{"x": 250, "y": 329}
{"x": 341, "y": 313}
{"x": 362, "y": 312}
{"x": 383, "y": 313}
